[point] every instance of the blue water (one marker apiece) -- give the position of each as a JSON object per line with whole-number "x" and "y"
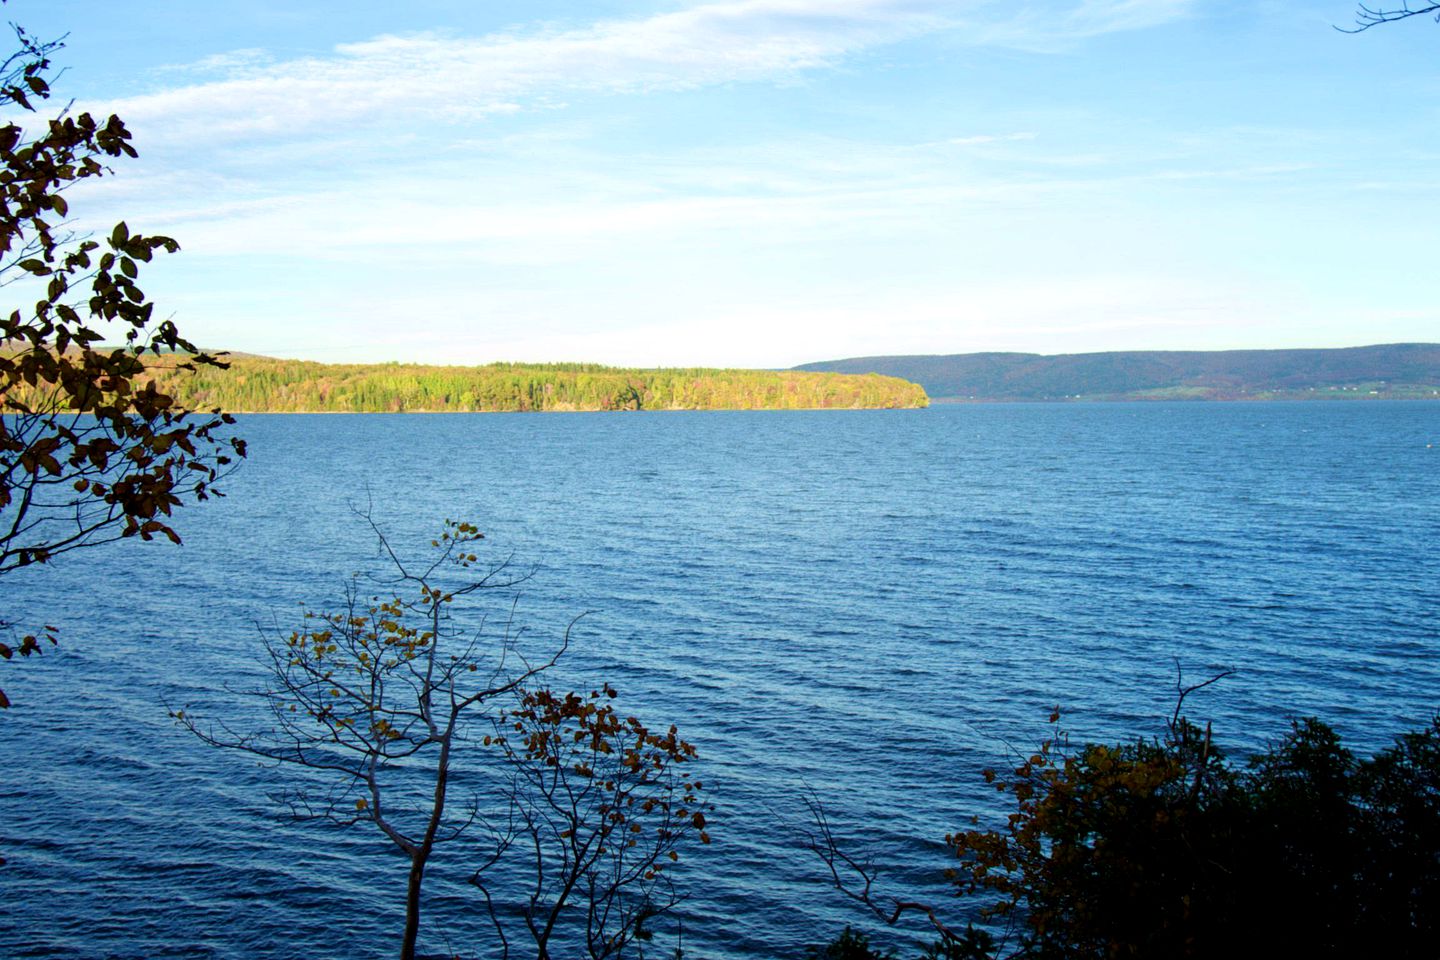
{"x": 868, "y": 605}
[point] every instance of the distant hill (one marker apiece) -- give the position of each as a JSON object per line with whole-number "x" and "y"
{"x": 1387, "y": 370}
{"x": 255, "y": 384}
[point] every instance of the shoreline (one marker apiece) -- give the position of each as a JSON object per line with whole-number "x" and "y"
{"x": 397, "y": 413}
{"x": 1327, "y": 398}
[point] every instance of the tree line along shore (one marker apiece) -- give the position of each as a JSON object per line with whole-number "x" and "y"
{"x": 255, "y": 384}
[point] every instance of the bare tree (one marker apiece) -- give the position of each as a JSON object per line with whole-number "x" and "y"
{"x": 588, "y": 808}
{"x": 1367, "y": 17}
{"x": 377, "y": 694}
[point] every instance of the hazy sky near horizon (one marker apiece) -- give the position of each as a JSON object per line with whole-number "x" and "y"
{"x": 766, "y": 182}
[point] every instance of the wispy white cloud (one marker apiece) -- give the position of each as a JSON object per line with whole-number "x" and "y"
{"x": 1051, "y": 26}
{"x": 987, "y": 138}
{"x": 439, "y": 77}
{"x": 1094, "y": 17}
{"x": 228, "y": 61}
{"x": 435, "y": 76}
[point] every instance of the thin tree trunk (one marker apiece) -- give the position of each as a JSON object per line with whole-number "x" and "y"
{"x": 412, "y": 902}
{"x": 422, "y": 853}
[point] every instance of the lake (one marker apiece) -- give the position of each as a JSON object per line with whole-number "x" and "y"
{"x": 869, "y": 605}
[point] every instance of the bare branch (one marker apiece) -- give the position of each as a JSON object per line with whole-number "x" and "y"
{"x": 1182, "y": 691}
{"x": 1367, "y": 17}
{"x": 855, "y": 878}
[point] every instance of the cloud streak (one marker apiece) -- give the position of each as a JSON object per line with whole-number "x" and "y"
{"x": 433, "y": 77}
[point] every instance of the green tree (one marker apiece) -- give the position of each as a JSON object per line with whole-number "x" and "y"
{"x": 90, "y": 449}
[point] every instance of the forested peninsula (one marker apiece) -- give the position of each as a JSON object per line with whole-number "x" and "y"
{"x": 255, "y": 384}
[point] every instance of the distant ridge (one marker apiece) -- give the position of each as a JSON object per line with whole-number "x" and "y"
{"x": 1397, "y": 370}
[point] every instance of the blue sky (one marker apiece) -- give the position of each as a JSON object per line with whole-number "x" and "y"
{"x": 766, "y": 182}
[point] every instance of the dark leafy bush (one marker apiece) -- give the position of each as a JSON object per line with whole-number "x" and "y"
{"x": 1163, "y": 848}
{"x": 850, "y": 945}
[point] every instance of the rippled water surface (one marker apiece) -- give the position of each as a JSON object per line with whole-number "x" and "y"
{"x": 869, "y": 605}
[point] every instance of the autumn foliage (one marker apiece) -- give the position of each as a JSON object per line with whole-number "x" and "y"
{"x": 268, "y": 385}
{"x": 1164, "y": 848}
{"x": 602, "y": 807}
{"x": 91, "y": 449}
